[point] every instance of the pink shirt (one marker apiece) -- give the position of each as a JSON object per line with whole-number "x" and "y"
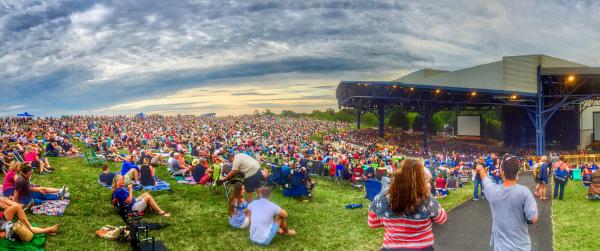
{"x": 30, "y": 156}
{"x": 9, "y": 180}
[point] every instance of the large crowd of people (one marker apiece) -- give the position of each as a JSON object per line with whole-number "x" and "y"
{"x": 241, "y": 145}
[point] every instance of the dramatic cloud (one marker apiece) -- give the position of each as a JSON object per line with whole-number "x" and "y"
{"x": 231, "y": 57}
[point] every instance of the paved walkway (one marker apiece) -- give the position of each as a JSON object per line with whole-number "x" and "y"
{"x": 469, "y": 225}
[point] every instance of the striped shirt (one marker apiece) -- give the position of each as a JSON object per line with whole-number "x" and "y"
{"x": 406, "y": 231}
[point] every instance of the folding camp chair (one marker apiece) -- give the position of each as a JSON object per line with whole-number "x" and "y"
{"x": 90, "y": 160}
{"x": 133, "y": 219}
{"x": 18, "y": 157}
{"x": 96, "y": 158}
{"x": 372, "y": 188}
{"x": 339, "y": 173}
{"x": 358, "y": 178}
{"x": 380, "y": 172}
{"x": 217, "y": 175}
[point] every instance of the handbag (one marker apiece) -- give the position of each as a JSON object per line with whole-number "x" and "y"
{"x": 22, "y": 231}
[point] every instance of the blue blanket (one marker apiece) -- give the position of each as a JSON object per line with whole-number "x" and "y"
{"x": 160, "y": 185}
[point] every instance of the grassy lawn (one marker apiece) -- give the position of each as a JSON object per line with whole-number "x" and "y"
{"x": 575, "y": 220}
{"x": 199, "y": 220}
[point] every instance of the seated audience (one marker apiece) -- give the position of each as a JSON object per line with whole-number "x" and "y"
{"x": 25, "y": 193}
{"x": 106, "y": 176}
{"x": 124, "y": 194}
{"x": 267, "y": 219}
{"x": 238, "y": 208}
{"x": 8, "y": 184}
{"x": 16, "y": 212}
{"x": 147, "y": 173}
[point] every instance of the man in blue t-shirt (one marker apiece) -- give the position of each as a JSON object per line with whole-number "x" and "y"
{"x": 128, "y": 165}
{"x": 513, "y": 207}
{"x": 267, "y": 219}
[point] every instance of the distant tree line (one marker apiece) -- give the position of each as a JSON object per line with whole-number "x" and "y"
{"x": 491, "y": 125}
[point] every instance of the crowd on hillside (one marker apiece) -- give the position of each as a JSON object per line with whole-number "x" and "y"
{"x": 238, "y": 146}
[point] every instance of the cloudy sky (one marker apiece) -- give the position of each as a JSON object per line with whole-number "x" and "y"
{"x": 232, "y": 57}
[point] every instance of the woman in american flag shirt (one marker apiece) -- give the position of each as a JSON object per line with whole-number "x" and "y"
{"x": 407, "y": 210}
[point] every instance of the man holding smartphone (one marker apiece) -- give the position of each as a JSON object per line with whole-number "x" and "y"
{"x": 513, "y": 207}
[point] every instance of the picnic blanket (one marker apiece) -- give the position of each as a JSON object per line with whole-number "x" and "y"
{"x": 185, "y": 180}
{"x": 36, "y": 244}
{"x": 51, "y": 207}
{"x": 160, "y": 185}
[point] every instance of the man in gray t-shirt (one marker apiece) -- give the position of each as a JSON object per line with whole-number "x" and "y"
{"x": 513, "y": 207}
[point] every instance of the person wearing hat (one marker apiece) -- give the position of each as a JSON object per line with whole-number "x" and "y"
{"x": 200, "y": 171}
{"x": 513, "y": 207}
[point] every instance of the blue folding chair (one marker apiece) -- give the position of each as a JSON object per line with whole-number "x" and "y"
{"x": 372, "y": 188}
{"x": 339, "y": 173}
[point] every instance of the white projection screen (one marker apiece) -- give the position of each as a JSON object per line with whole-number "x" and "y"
{"x": 468, "y": 125}
{"x": 596, "y": 126}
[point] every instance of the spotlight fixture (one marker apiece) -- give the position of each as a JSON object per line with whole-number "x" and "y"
{"x": 473, "y": 93}
{"x": 571, "y": 78}
{"x": 513, "y": 97}
{"x": 437, "y": 91}
{"x": 412, "y": 88}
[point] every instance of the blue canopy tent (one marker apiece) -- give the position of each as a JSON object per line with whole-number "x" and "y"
{"x": 141, "y": 115}
{"x": 25, "y": 115}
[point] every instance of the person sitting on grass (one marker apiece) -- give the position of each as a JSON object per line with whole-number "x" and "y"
{"x": 124, "y": 194}
{"x": 16, "y": 211}
{"x": 238, "y": 208}
{"x": 31, "y": 157}
{"x": 106, "y": 176}
{"x": 201, "y": 173}
{"x": 25, "y": 193}
{"x": 440, "y": 185}
{"x": 147, "y": 173}
{"x": 8, "y": 184}
{"x": 452, "y": 182}
{"x": 267, "y": 219}
{"x": 128, "y": 164}
{"x": 177, "y": 165}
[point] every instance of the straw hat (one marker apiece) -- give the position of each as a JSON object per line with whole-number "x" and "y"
{"x": 195, "y": 162}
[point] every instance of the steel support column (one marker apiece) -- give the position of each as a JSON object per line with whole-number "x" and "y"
{"x": 540, "y": 129}
{"x": 425, "y": 120}
{"x": 381, "y": 115}
{"x": 358, "y": 113}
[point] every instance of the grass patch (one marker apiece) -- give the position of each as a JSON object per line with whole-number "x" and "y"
{"x": 575, "y": 220}
{"x": 457, "y": 197}
{"x": 199, "y": 220}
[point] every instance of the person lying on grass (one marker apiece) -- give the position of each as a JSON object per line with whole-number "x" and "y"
{"x": 16, "y": 211}
{"x": 25, "y": 193}
{"x": 267, "y": 219}
{"x": 238, "y": 208}
{"x": 125, "y": 196}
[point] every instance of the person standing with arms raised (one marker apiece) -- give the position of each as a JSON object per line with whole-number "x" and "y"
{"x": 513, "y": 207}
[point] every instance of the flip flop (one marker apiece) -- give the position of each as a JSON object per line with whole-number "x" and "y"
{"x": 290, "y": 232}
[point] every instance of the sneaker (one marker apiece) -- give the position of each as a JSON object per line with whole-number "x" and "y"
{"x": 475, "y": 199}
{"x": 28, "y": 207}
